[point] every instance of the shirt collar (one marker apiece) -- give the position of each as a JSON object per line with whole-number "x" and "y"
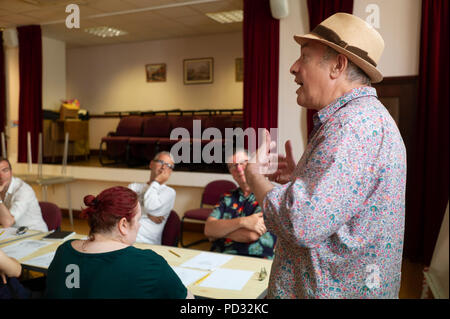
{"x": 324, "y": 114}
{"x": 241, "y": 192}
{"x": 11, "y": 186}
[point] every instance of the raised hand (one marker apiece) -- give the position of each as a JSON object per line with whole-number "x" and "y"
{"x": 286, "y": 166}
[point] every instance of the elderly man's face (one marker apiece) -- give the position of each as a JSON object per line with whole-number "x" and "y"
{"x": 313, "y": 76}
{"x": 163, "y": 164}
{"x": 237, "y": 169}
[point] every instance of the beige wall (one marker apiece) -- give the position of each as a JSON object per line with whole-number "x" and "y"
{"x": 53, "y": 73}
{"x": 400, "y": 22}
{"x": 112, "y": 77}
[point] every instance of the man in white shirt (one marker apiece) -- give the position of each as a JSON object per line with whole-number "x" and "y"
{"x": 156, "y": 199}
{"x": 18, "y": 203}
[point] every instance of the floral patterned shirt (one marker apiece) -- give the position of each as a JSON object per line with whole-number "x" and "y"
{"x": 340, "y": 220}
{"x": 234, "y": 205}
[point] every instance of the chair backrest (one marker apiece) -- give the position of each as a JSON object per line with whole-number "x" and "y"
{"x": 51, "y": 214}
{"x": 156, "y": 126}
{"x": 130, "y": 126}
{"x": 171, "y": 232}
{"x": 215, "y": 189}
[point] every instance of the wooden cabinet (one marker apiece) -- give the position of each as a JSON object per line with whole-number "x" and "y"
{"x": 54, "y": 135}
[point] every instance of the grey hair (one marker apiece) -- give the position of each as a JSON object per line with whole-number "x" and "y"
{"x": 163, "y": 153}
{"x": 353, "y": 73}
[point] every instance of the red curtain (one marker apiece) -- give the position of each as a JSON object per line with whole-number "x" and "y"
{"x": 428, "y": 185}
{"x": 2, "y": 86}
{"x": 261, "y": 60}
{"x": 318, "y": 11}
{"x": 30, "y": 96}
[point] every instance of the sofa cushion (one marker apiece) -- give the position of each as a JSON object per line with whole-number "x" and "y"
{"x": 130, "y": 126}
{"x": 156, "y": 126}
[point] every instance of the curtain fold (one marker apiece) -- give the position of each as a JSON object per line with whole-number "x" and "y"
{"x": 261, "y": 64}
{"x": 428, "y": 184}
{"x": 2, "y": 86}
{"x": 30, "y": 96}
{"x": 318, "y": 11}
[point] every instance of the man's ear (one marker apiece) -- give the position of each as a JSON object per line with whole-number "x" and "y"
{"x": 339, "y": 66}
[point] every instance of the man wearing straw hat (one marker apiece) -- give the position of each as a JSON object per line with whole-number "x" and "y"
{"x": 338, "y": 213}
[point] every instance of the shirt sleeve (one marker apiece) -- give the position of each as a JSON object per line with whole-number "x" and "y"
{"x": 157, "y": 197}
{"x": 326, "y": 192}
{"x": 20, "y": 201}
{"x": 219, "y": 209}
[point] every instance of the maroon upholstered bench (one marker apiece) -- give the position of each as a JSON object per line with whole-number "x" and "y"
{"x": 117, "y": 142}
{"x": 146, "y": 146}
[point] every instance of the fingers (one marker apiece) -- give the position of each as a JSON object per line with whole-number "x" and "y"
{"x": 3, "y": 278}
{"x": 289, "y": 153}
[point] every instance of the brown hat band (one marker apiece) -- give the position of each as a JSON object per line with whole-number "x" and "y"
{"x": 333, "y": 37}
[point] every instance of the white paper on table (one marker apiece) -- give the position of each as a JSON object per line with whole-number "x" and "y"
{"x": 207, "y": 261}
{"x": 231, "y": 279}
{"x": 188, "y": 276}
{"x": 24, "y": 248}
{"x": 43, "y": 261}
{"x": 8, "y": 233}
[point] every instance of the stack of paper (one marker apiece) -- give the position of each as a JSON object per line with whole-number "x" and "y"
{"x": 207, "y": 261}
{"x": 43, "y": 261}
{"x": 23, "y": 248}
{"x": 189, "y": 276}
{"x": 219, "y": 278}
{"x": 223, "y": 278}
{"x": 8, "y": 233}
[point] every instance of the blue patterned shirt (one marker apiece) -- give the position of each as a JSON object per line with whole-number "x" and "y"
{"x": 340, "y": 221}
{"x": 235, "y": 205}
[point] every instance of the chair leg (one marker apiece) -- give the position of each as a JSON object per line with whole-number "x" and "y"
{"x": 190, "y": 244}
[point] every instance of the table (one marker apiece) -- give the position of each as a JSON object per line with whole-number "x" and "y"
{"x": 45, "y": 180}
{"x": 253, "y": 289}
{"x": 30, "y": 233}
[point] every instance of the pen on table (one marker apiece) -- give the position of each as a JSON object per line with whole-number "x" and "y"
{"x": 170, "y": 251}
{"x": 201, "y": 279}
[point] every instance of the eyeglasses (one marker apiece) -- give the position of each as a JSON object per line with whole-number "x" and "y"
{"x": 171, "y": 166}
{"x": 234, "y": 166}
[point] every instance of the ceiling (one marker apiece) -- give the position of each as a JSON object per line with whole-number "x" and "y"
{"x": 144, "y": 20}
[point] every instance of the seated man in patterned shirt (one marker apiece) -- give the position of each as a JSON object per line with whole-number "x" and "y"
{"x": 236, "y": 224}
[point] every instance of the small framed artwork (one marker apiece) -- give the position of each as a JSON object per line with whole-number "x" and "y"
{"x": 239, "y": 69}
{"x": 156, "y": 72}
{"x": 198, "y": 71}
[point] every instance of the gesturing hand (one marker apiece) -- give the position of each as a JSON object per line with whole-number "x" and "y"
{"x": 263, "y": 162}
{"x": 163, "y": 175}
{"x": 286, "y": 166}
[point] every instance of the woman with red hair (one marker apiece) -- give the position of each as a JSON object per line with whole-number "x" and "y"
{"x": 106, "y": 265}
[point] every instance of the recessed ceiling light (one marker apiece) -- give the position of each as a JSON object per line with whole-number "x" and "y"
{"x": 105, "y": 32}
{"x": 227, "y": 16}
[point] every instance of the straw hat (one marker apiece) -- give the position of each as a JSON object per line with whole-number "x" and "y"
{"x": 353, "y": 37}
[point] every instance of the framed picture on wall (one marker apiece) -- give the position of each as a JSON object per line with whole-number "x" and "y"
{"x": 156, "y": 72}
{"x": 198, "y": 71}
{"x": 239, "y": 62}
